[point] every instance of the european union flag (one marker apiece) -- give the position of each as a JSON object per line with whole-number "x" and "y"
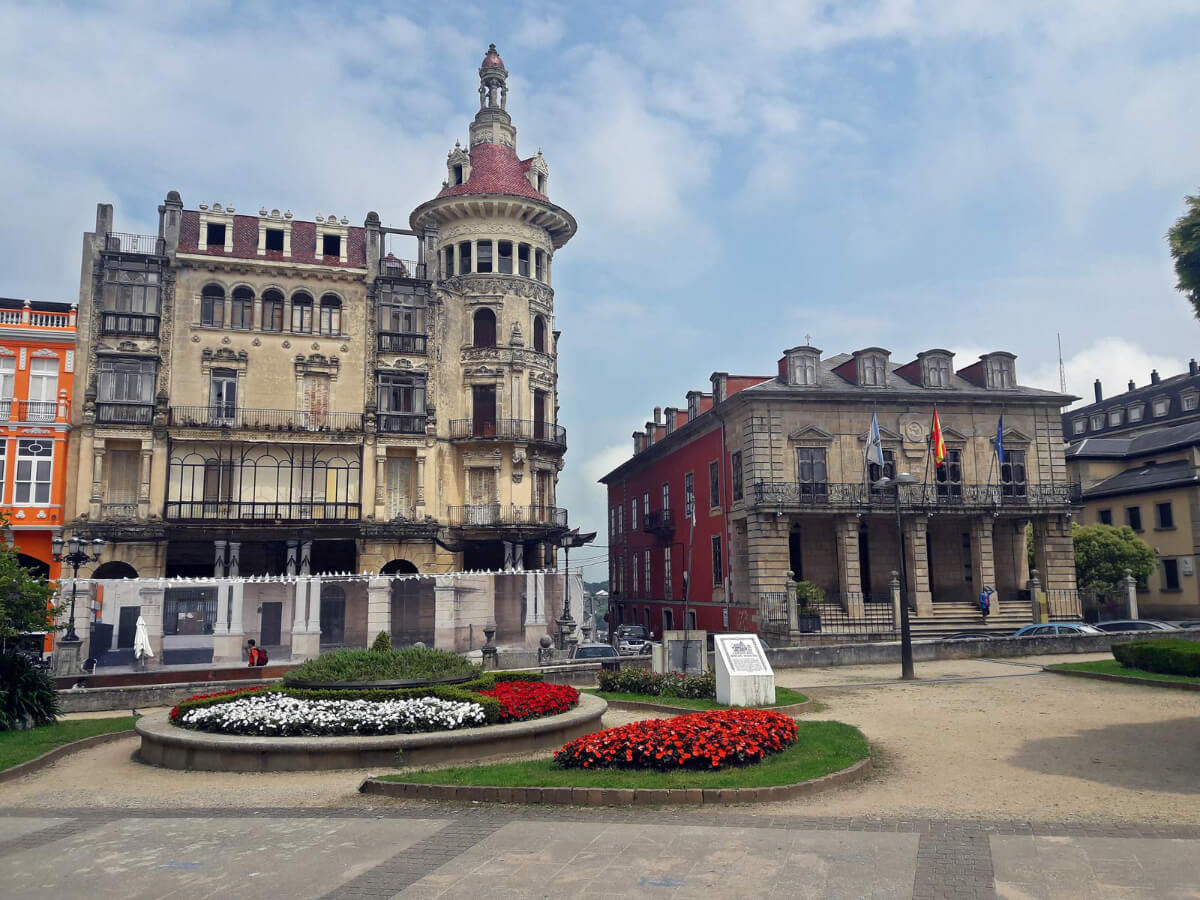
{"x": 1000, "y": 440}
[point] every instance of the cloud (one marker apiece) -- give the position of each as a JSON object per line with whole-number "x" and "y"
{"x": 539, "y": 29}
{"x": 1113, "y": 360}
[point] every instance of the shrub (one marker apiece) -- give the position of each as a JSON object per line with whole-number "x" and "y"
{"x": 521, "y": 700}
{"x": 654, "y": 684}
{"x": 382, "y": 643}
{"x": 706, "y": 740}
{"x": 27, "y": 695}
{"x": 1167, "y": 656}
{"x": 372, "y": 665}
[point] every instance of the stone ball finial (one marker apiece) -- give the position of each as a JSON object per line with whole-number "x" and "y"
{"x": 372, "y": 218}
{"x": 173, "y": 197}
{"x": 545, "y": 642}
{"x": 419, "y": 645}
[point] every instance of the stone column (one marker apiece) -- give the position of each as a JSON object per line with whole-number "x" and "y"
{"x": 97, "y": 477}
{"x": 1054, "y": 552}
{"x": 894, "y": 587}
{"x": 144, "y": 480}
{"x": 380, "y": 482}
{"x": 1130, "y": 585}
{"x": 152, "y": 607}
{"x": 379, "y": 607}
{"x": 1037, "y": 599}
{"x": 420, "y": 479}
{"x": 916, "y": 565}
{"x": 793, "y": 604}
{"x": 444, "y": 602}
{"x": 983, "y": 556}
{"x": 305, "y": 644}
{"x": 767, "y": 563}
{"x": 845, "y": 532}
{"x": 314, "y": 606}
{"x": 236, "y": 588}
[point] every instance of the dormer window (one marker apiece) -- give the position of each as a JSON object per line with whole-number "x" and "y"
{"x": 1162, "y": 406}
{"x": 458, "y": 175}
{"x": 331, "y": 245}
{"x": 1136, "y": 412}
{"x": 693, "y": 407}
{"x": 1000, "y": 371}
{"x": 936, "y": 368}
{"x": 1114, "y": 418}
{"x": 872, "y": 370}
{"x": 274, "y": 240}
{"x": 1079, "y": 426}
{"x": 1098, "y": 422}
{"x": 215, "y": 235}
{"x": 1188, "y": 402}
{"x": 803, "y": 366}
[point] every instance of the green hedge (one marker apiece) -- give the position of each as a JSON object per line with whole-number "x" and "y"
{"x": 380, "y": 665}
{"x": 1168, "y": 656}
{"x": 669, "y": 684}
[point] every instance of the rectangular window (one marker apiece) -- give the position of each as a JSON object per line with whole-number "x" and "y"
{"x": 124, "y": 475}
{"x": 272, "y": 312}
{"x": 667, "y": 593}
{"x": 620, "y": 518}
{"x": 331, "y": 245}
{"x": 125, "y": 380}
{"x": 539, "y": 258}
{"x": 668, "y": 620}
{"x": 636, "y": 566}
{"x": 1097, "y": 422}
{"x": 1133, "y": 517}
{"x": 1188, "y": 401}
{"x": 666, "y": 498}
{"x": 1012, "y": 474}
{"x": 689, "y": 495}
{"x": 1114, "y": 418}
{"x": 612, "y": 522}
{"x": 714, "y": 485}
{"x": 938, "y": 369}
{"x": 717, "y": 568}
{"x": 243, "y": 311}
{"x": 483, "y": 260}
{"x": 873, "y": 370}
{"x": 190, "y": 612}
{"x": 302, "y": 313}
{"x": 523, "y": 260}
{"x": 215, "y": 236}
{"x": 875, "y": 472}
{"x": 448, "y": 261}
{"x": 3, "y": 465}
{"x": 35, "y": 462}
{"x": 1135, "y": 413}
{"x": 1170, "y": 574}
{"x": 735, "y": 462}
{"x": 646, "y": 504}
{"x": 1079, "y": 426}
{"x": 504, "y": 257}
{"x": 212, "y": 309}
{"x": 223, "y": 396}
{"x": 634, "y": 522}
{"x": 43, "y": 390}
{"x": 1165, "y": 515}
{"x": 8, "y": 375}
{"x": 811, "y": 472}
{"x": 646, "y": 573}
{"x": 464, "y": 258}
{"x": 274, "y": 240}
{"x": 1162, "y": 406}
{"x": 331, "y": 316}
{"x": 1106, "y": 517}
{"x": 132, "y": 287}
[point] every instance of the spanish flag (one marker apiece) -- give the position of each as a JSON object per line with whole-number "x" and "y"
{"x": 936, "y": 443}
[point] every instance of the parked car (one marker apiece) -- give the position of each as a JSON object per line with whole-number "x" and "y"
{"x": 970, "y": 636}
{"x": 1057, "y": 628}
{"x": 1188, "y": 624}
{"x": 1135, "y": 625}
{"x": 633, "y": 639}
{"x": 593, "y": 650}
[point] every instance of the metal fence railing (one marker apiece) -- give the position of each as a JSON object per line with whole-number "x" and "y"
{"x": 848, "y": 615}
{"x": 486, "y": 515}
{"x": 509, "y": 429}
{"x": 132, "y": 243}
{"x": 858, "y": 496}
{"x": 263, "y": 419}
{"x": 115, "y": 322}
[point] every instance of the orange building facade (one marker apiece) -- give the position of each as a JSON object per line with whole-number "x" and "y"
{"x": 37, "y": 372}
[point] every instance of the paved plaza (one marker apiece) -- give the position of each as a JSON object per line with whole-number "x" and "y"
{"x": 993, "y": 779}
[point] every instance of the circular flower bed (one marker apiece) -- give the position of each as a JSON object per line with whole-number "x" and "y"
{"x": 521, "y": 700}
{"x": 276, "y": 714}
{"x": 705, "y": 740}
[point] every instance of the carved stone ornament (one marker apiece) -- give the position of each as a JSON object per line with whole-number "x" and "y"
{"x": 287, "y": 345}
{"x": 256, "y": 343}
{"x": 345, "y": 348}
{"x": 195, "y": 338}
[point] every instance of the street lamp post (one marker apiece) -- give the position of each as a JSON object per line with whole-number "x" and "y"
{"x": 77, "y": 553}
{"x": 906, "y": 653}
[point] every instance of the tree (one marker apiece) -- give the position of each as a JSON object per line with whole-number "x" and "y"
{"x": 24, "y": 597}
{"x": 1184, "y": 241}
{"x": 1104, "y": 552}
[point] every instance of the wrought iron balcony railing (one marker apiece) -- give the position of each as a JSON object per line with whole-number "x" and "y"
{"x": 37, "y": 410}
{"x": 401, "y": 423}
{"x": 947, "y": 496}
{"x": 264, "y": 419}
{"x": 114, "y": 413}
{"x": 508, "y": 430}
{"x": 496, "y": 515}
{"x": 402, "y": 342}
{"x": 659, "y": 522}
{"x": 150, "y": 244}
{"x": 261, "y": 511}
{"x": 394, "y": 267}
{"x": 140, "y": 324}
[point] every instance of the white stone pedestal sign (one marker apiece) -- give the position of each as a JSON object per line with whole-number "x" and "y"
{"x": 744, "y": 677}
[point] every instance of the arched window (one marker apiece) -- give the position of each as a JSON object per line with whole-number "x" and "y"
{"x": 272, "y": 316}
{"x": 243, "y": 308}
{"x": 302, "y": 311}
{"x": 539, "y": 334}
{"x": 212, "y": 305}
{"x": 485, "y": 328}
{"x": 331, "y": 315}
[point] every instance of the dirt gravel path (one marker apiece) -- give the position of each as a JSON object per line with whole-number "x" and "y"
{"x": 993, "y": 739}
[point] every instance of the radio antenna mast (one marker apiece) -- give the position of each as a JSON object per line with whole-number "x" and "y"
{"x": 1062, "y": 370}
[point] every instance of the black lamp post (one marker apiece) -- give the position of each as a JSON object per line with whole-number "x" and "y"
{"x": 906, "y": 654}
{"x": 78, "y": 551}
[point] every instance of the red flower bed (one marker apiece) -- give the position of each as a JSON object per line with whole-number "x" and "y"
{"x": 521, "y": 700}
{"x": 195, "y": 697}
{"x": 704, "y": 740}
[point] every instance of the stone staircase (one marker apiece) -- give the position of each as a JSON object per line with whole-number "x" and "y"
{"x": 952, "y": 616}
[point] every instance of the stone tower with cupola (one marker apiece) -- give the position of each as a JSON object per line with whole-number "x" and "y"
{"x": 494, "y": 231}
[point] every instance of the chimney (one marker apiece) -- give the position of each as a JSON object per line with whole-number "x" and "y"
{"x": 658, "y": 415}
{"x": 1099, "y": 390}
{"x": 104, "y": 218}
{"x": 1154, "y": 376}
{"x": 1192, "y": 367}
{"x": 1132, "y": 386}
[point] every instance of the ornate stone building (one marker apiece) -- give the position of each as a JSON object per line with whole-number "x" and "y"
{"x": 265, "y": 395}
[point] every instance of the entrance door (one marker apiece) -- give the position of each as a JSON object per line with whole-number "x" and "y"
{"x": 316, "y": 401}
{"x": 864, "y": 561}
{"x": 399, "y": 482}
{"x": 270, "y": 633}
{"x": 539, "y": 416}
{"x": 223, "y": 397}
{"x": 483, "y": 411}
{"x": 333, "y": 615}
{"x": 126, "y": 626}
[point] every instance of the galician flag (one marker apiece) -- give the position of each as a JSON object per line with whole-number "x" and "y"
{"x": 1000, "y": 439}
{"x": 874, "y": 444}
{"x": 936, "y": 443}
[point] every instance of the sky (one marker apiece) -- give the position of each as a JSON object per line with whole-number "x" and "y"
{"x": 900, "y": 173}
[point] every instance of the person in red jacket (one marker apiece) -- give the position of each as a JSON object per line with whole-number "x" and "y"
{"x": 254, "y": 655}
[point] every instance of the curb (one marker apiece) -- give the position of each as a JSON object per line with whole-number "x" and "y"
{"x": 792, "y": 709}
{"x": 50, "y": 756}
{"x": 583, "y": 796}
{"x": 1127, "y": 679}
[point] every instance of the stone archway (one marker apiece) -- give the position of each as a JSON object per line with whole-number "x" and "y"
{"x": 399, "y": 567}
{"x": 114, "y": 569}
{"x": 39, "y": 568}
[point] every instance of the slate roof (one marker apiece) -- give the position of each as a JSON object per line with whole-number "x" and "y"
{"x": 1171, "y": 389}
{"x": 1140, "y": 445}
{"x": 245, "y": 242}
{"x": 495, "y": 169}
{"x": 1146, "y": 478}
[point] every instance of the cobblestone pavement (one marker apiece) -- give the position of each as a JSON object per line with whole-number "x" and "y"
{"x": 510, "y": 852}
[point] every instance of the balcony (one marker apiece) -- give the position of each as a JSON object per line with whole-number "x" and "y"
{"x": 34, "y": 410}
{"x": 283, "y": 420}
{"x": 109, "y": 413}
{"x": 508, "y": 430}
{"x": 402, "y": 342}
{"x": 501, "y": 515}
{"x": 148, "y": 244}
{"x": 935, "y": 497}
{"x": 119, "y": 510}
{"x": 29, "y": 318}
{"x": 394, "y": 267}
{"x": 660, "y": 523}
{"x": 136, "y": 324}
{"x": 400, "y": 423}
{"x": 267, "y": 512}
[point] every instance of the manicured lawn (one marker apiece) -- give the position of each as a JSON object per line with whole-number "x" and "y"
{"x": 783, "y": 697}
{"x": 17, "y": 747}
{"x": 820, "y": 748}
{"x": 1112, "y": 667}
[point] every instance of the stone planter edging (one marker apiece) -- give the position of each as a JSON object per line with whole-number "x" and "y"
{"x": 584, "y": 796}
{"x": 166, "y": 745}
{"x": 28, "y": 768}
{"x": 1128, "y": 679}
{"x": 792, "y": 709}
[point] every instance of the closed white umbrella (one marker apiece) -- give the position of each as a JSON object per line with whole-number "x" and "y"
{"x": 141, "y": 642}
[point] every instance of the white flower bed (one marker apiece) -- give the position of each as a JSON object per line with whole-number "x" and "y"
{"x": 275, "y": 714}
